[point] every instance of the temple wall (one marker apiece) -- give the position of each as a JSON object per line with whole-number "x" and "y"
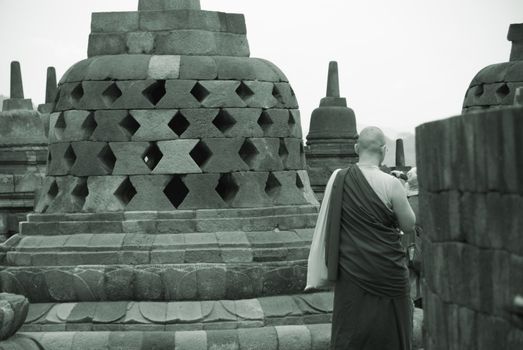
{"x": 470, "y": 171}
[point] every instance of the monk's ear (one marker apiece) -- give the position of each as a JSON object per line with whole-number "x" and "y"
{"x": 357, "y": 148}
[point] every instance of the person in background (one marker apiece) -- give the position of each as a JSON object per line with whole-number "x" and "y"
{"x": 364, "y": 254}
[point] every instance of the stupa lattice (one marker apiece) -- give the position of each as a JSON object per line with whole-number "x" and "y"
{"x": 176, "y": 197}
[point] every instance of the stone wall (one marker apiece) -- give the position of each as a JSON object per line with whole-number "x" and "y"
{"x": 470, "y": 172}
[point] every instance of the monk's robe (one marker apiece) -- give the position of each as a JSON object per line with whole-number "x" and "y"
{"x": 365, "y": 258}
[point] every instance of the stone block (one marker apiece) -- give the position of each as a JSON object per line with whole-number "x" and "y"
{"x": 106, "y": 44}
{"x": 90, "y": 340}
{"x": 31, "y": 181}
{"x": 222, "y": 93}
{"x": 237, "y": 255}
{"x": 200, "y": 123}
{"x": 275, "y": 122}
{"x": 223, "y": 339}
{"x": 198, "y": 67}
{"x": 244, "y": 68}
{"x": 191, "y": 340}
{"x": 285, "y": 96}
{"x": 290, "y": 152}
{"x": 267, "y": 155}
{"x": 167, "y": 256}
{"x": 130, "y": 158}
{"x": 275, "y": 69}
{"x": 243, "y": 122}
{"x": 320, "y": 336}
{"x": 264, "y": 338}
{"x": 109, "y": 22}
{"x": 168, "y": 5}
{"x": 195, "y": 256}
{"x": 285, "y": 189}
{"x": 76, "y": 73}
{"x": 102, "y": 191}
{"x": 180, "y": 20}
{"x": 61, "y": 159}
{"x": 164, "y": 67}
{"x": 57, "y": 340}
{"x": 225, "y": 155}
{"x": 251, "y": 190}
{"x": 90, "y": 158}
{"x": 158, "y": 340}
{"x": 186, "y": 42}
{"x": 180, "y": 284}
{"x": 71, "y": 195}
{"x": 71, "y": 126}
{"x": 150, "y": 125}
{"x": 232, "y": 239}
{"x": 140, "y": 42}
{"x": 293, "y": 337}
{"x": 7, "y": 183}
{"x": 138, "y": 94}
{"x": 202, "y": 192}
{"x": 263, "y": 94}
{"x": 230, "y": 44}
{"x": 126, "y": 340}
{"x": 179, "y": 94}
{"x": 177, "y": 157}
{"x": 109, "y": 126}
{"x": 149, "y": 193}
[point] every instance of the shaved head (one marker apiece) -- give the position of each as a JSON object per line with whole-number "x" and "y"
{"x": 371, "y": 140}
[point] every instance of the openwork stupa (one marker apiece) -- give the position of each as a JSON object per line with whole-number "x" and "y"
{"x": 176, "y": 211}
{"x": 495, "y": 86}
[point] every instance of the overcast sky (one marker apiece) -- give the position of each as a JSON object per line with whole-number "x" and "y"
{"x": 402, "y": 62}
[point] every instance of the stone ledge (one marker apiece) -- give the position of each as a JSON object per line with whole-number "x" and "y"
{"x": 204, "y": 314}
{"x": 288, "y": 337}
{"x": 166, "y": 282}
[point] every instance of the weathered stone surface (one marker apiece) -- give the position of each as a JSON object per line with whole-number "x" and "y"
{"x": 114, "y": 22}
{"x": 164, "y": 67}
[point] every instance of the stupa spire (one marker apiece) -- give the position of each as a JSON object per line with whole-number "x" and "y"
{"x": 400, "y": 153}
{"x": 17, "y": 87}
{"x": 333, "y": 84}
{"x": 50, "y": 87}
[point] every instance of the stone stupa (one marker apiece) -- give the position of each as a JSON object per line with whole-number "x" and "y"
{"x": 495, "y": 86}
{"x": 23, "y": 152}
{"x": 332, "y": 135}
{"x": 177, "y": 211}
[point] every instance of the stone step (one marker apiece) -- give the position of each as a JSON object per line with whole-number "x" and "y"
{"x": 310, "y": 308}
{"x": 289, "y": 337}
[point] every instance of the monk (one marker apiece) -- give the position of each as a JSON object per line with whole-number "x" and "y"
{"x": 364, "y": 255}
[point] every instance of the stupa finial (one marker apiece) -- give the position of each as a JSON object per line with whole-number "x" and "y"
{"x": 50, "y": 88}
{"x": 400, "y": 153}
{"x": 333, "y": 84}
{"x": 17, "y": 87}
{"x": 165, "y": 5}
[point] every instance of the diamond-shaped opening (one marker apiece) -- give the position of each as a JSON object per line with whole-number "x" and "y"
{"x": 199, "y": 92}
{"x": 152, "y": 156}
{"x": 155, "y": 92}
{"x": 244, "y": 91}
{"x": 89, "y": 125}
{"x": 272, "y": 186}
{"x": 69, "y": 157}
{"x": 53, "y": 190}
{"x": 49, "y": 157}
{"x": 130, "y": 125}
{"x": 299, "y": 182}
{"x": 60, "y": 126}
{"x": 227, "y": 188}
{"x": 176, "y": 191}
{"x": 283, "y": 152}
{"x": 292, "y": 120}
{"x": 277, "y": 94}
{"x": 179, "y": 124}
{"x": 302, "y": 149}
{"x": 248, "y": 152}
{"x": 503, "y": 91}
{"x": 125, "y": 192}
{"x": 293, "y": 94}
{"x": 479, "y": 90}
{"x": 265, "y": 121}
{"x": 224, "y": 121}
{"x": 77, "y": 93}
{"x": 111, "y": 94}
{"x": 107, "y": 158}
{"x": 200, "y": 154}
{"x": 81, "y": 191}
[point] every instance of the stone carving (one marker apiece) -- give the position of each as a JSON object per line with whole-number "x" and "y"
{"x": 13, "y": 313}
{"x": 495, "y": 86}
{"x": 332, "y": 135}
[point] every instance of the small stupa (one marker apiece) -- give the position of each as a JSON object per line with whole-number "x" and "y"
{"x": 176, "y": 211}
{"x": 23, "y": 153}
{"x": 332, "y": 135}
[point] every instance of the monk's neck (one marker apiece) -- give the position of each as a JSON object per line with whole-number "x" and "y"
{"x": 366, "y": 160}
